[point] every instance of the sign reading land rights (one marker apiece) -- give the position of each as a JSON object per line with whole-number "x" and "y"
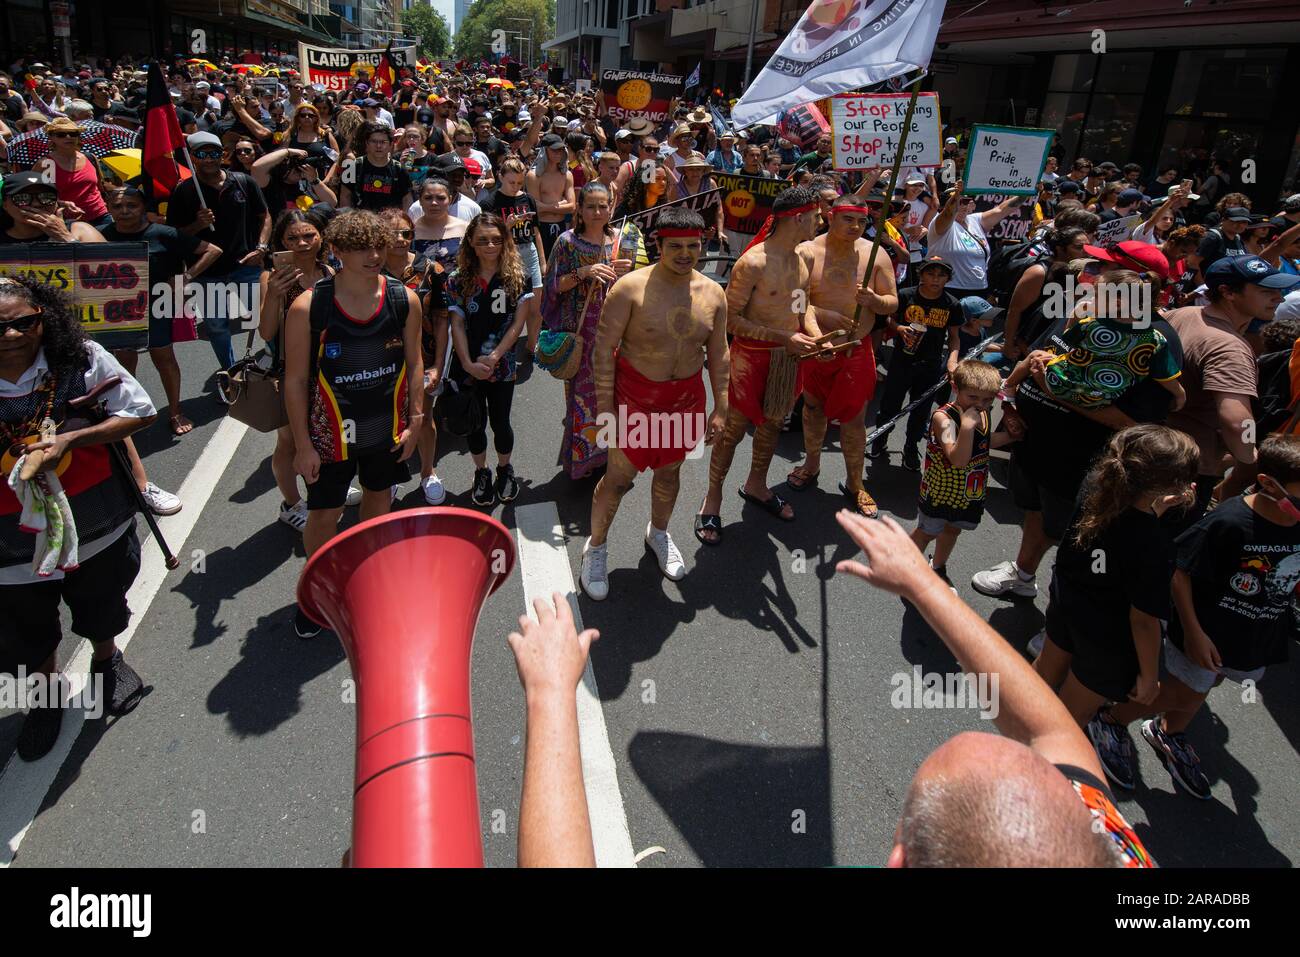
{"x": 1006, "y": 159}
{"x": 866, "y": 129}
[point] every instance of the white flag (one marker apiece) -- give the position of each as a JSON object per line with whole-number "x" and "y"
{"x": 842, "y": 45}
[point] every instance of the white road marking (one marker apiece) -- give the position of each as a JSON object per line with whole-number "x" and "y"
{"x": 23, "y": 786}
{"x": 544, "y": 568}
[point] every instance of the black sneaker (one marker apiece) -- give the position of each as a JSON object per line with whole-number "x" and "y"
{"x": 507, "y": 486}
{"x": 303, "y": 626}
{"x": 482, "y": 493}
{"x": 911, "y": 458}
{"x": 1179, "y": 759}
{"x": 123, "y": 688}
{"x": 39, "y": 732}
{"x": 1115, "y": 750}
{"x": 877, "y": 450}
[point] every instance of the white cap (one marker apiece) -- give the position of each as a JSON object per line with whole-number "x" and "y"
{"x": 952, "y": 140}
{"x": 622, "y": 134}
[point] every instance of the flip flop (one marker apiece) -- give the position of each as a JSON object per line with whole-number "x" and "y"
{"x": 807, "y": 481}
{"x": 772, "y": 506}
{"x": 710, "y": 523}
{"x": 861, "y": 502}
{"x": 189, "y": 426}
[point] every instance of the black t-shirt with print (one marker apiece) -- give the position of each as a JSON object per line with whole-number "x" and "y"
{"x": 937, "y": 315}
{"x": 1059, "y": 443}
{"x": 489, "y": 313}
{"x": 380, "y": 187}
{"x": 238, "y": 208}
{"x": 1128, "y": 565}
{"x": 1244, "y": 571}
{"x": 1215, "y": 246}
{"x": 504, "y": 206}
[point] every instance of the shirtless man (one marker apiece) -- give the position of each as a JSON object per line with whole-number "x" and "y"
{"x": 664, "y": 323}
{"x": 553, "y": 191}
{"x": 767, "y": 296}
{"x": 839, "y": 386}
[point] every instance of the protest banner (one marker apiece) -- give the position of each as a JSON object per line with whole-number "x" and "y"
{"x": 338, "y": 69}
{"x": 266, "y": 86}
{"x": 1015, "y": 227}
{"x": 631, "y": 93}
{"x": 866, "y": 128}
{"x": 108, "y": 283}
{"x": 1117, "y": 230}
{"x": 703, "y": 203}
{"x": 582, "y": 86}
{"x": 746, "y": 200}
{"x": 1006, "y": 159}
{"x": 802, "y": 125}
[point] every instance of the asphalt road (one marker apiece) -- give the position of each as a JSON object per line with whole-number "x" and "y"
{"x": 748, "y": 707}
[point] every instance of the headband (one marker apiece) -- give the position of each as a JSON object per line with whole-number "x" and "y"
{"x": 851, "y": 209}
{"x": 672, "y": 232}
{"x": 797, "y": 211}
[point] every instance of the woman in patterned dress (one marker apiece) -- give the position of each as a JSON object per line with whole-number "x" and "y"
{"x": 583, "y": 264}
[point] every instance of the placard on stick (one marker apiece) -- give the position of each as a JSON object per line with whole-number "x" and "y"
{"x": 1006, "y": 159}
{"x": 866, "y": 129}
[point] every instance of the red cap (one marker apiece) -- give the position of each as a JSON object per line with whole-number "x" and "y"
{"x": 1134, "y": 255}
{"x": 472, "y": 166}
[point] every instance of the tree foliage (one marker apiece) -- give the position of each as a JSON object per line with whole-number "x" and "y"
{"x": 431, "y": 27}
{"x": 475, "y": 35}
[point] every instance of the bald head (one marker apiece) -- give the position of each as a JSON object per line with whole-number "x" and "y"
{"x": 981, "y": 800}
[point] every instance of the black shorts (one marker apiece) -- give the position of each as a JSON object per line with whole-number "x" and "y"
{"x": 378, "y": 471}
{"x": 1106, "y": 664}
{"x": 1030, "y": 496}
{"x": 95, "y": 594}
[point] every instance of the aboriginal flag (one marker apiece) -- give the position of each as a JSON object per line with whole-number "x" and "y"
{"x": 386, "y": 72}
{"x": 162, "y": 137}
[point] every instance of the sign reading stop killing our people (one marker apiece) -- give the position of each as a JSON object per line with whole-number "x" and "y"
{"x": 866, "y": 129}
{"x": 630, "y": 93}
{"x": 1006, "y": 159}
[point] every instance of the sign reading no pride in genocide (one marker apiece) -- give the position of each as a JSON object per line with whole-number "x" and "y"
{"x": 866, "y": 129}
{"x": 1006, "y": 159}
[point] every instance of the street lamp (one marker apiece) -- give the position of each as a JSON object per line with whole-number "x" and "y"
{"x": 527, "y": 20}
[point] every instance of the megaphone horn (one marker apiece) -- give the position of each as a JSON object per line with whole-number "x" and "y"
{"x": 403, "y": 592}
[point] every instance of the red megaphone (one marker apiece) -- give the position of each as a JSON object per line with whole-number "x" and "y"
{"x": 403, "y": 592}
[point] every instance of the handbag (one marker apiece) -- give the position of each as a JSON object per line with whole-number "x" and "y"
{"x": 560, "y": 353}
{"x": 461, "y": 410}
{"x": 254, "y": 389}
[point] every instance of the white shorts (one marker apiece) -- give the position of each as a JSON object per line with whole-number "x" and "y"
{"x": 1199, "y": 679}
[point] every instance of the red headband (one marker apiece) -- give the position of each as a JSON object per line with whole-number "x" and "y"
{"x": 671, "y": 233}
{"x": 850, "y": 209}
{"x": 797, "y": 211}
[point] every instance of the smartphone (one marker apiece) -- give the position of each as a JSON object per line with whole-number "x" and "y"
{"x": 1187, "y": 184}
{"x": 282, "y": 260}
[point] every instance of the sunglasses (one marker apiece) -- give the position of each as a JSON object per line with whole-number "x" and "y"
{"x": 489, "y": 242}
{"x": 64, "y": 134}
{"x": 23, "y": 200}
{"x": 22, "y": 323}
{"x": 402, "y": 233}
{"x": 207, "y": 154}
{"x": 464, "y": 142}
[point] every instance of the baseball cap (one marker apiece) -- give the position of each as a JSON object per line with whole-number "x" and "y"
{"x": 951, "y": 139}
{"x": 552, "y": 142}
{"x": 1237, "y": 214}
{"x": 1133, "y": 254}
{"x": 1252, "y": 269}
{"x": 623, "y": 134}
{"x": 199, "y": 140}
{"x": 1130, "y": 196}
{"x": 449, "y": 163}
{"x": 472, "y": 166}
{"x": 932, "y": 261}
{"x": 1292, "y": 203}
{"x": 973, "y": 307}
{"x": 21, "y": 182}
{"x": 1068, "y": 186}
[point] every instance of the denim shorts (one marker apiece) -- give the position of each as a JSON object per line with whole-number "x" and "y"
{"x": 532, "y": 267}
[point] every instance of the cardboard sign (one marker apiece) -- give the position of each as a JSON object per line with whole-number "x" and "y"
{"x": 704, "y": 203}
{"x": 630, "y": 93}
{"x": 1016, "y": 226}
{"x": 338, "y": 69}
{"x": 1006, "y": 159}
{"x": 582, "y": 86}
{"x": 747, "y": 200}
{"x": 1118, "y": 230}
{"x": 108, "y": 283}
{"x": 866, "y": 129}
{"x": 266, "y": 86}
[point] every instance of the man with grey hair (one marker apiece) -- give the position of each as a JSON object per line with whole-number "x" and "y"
{"x": 1033, "y": 796}
{"x": 78, "y": 110}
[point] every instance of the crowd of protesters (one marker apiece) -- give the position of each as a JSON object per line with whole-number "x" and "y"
{"x": 445, "y": 230}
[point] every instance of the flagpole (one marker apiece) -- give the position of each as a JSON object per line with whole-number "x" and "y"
{"x": 855, "y": 334}
{"x": 198, "y": 186}
{"x": 749, "y": 52}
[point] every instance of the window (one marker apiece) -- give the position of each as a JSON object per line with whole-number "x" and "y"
{"x": 1094, "y": 102}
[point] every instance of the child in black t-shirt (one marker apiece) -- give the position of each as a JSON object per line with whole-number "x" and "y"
{"x": 1110, "y": 585}
{"x": 1234, "y": 593}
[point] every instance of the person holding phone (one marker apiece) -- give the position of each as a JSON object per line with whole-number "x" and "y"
{"x": 291, "y": 178}
{"x": 519, "y": 211}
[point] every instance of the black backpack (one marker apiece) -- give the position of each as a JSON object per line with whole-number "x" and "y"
{"x": 1009, "y": 263}
{"x": 322, "y": 300}
{"x": 1274, "y": 405}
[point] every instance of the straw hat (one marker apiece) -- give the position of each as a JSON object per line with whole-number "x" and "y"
{"x": 694, "y": 161}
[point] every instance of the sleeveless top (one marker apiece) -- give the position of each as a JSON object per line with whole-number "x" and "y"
{"x": 358, "y": 393}
{"x": 98, "y": 497}
{"x": 955, "y": 494}
{"x": 81, "y": 187}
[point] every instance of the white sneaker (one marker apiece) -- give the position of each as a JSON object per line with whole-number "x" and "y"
{"x": 160, "y": 502}
{"x": 665, "y": 549}
{"x": 295, "y": 516}
{"x": 434, "y": 491}
{"x": 354, "y": 495}
{"x": 1035, "y": 646}
{"x": 393, "y": 492}
{"x": 594, "y": 575}
{"x": 1001, "y": 579}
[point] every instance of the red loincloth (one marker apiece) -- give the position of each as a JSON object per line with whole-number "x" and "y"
{"x": 652, "y": 440}
{"x": 842, "y": 385}
{"x": 750, "y": 361}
